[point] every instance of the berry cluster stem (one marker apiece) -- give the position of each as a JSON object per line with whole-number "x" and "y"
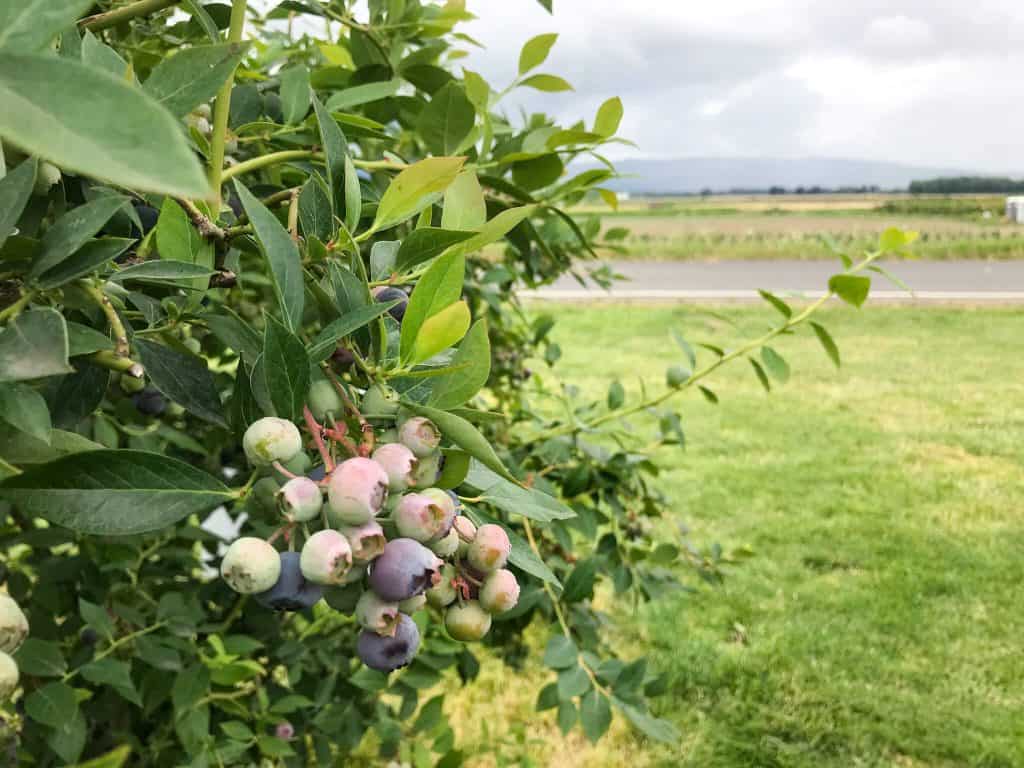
{"x": 317, "y": 431}
{"x": 96, "y": 293}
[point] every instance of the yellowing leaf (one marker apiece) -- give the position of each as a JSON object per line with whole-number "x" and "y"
{"x": 441, "y": 331}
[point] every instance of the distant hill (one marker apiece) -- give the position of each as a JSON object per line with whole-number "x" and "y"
{"x": 723, "y": 174}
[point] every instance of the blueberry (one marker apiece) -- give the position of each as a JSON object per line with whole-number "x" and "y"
{"x": 385, "y": 294}
{"x": 292, "y": 592}
{"x": 489, "y": 549}
{"x": 467, "y": 621}
{"x": 367, "y": 540}
{"x": 420, "y": 435}
{"x": 386, "y": 654}
{"x": 444, "y": 593}
{"x": 148, "y": 216}
{"x": 444, "y": 501}
{"x": 271, "y": 439}
{"x": 323, "y": 399}
{"x": 9, "y": 672}
{"x": 149, "y": 402}
{"x": 284, "y": 731}
{"x": 13, "y": 624}
{"x": 326, "y": 557}
{"x": 317, "y": 473}
{"x": 300, "y": 500}
{"x": 404, "y": 569}
{"x": 428, "y": 470}
{"x": 357, "y": 490}
{"x": 447, "y": 545}
{"x": 250, "y": 565}
{"x": 500, "y": 592}
{"x": 377, "y": 615}
{"x": 399, "y": 463}
{"x": 421, "y": 518}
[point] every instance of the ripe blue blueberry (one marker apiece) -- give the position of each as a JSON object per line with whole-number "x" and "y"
{"x": 377, "y": 615}
{"x": 384, "y": 294}
{"x": 404, "y": 569}
{"x": 250, "y": 565}
{"x": 271, "y": 439}
{"x": 399, "y": 463}
{"x": 420, "y": 435}
{"x": 149, "y": 402}
{"x": 386, "y": 654}
{"x": 13, "y": 624}
{"x": 326, "y": 558}
{"x": 300, "y": 499}
{"x": 467, "y": 621}
{"x": 357, "y": 490}
{"x": 292, "y": 592}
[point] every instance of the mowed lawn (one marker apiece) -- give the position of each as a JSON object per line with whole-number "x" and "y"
{"x": 881, "y": 622}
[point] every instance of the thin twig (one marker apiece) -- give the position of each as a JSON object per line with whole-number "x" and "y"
{"x": 107, "y": 19}
{"x": 199, "y": 219}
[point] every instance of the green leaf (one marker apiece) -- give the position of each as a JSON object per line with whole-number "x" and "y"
{"x": 114, "y": 759}
{"x": 776, "y": 302}
{"x": 189, "y": 687}
{"x": 474, "y": 355}
{"x": 440, "y": 331}
{"x": 572, "y": 681}
{"x": 595, "y": 715}
{"x": 853, "y": 289}
{"x": 316, "y": 213}
{"x": 653, "y": 727}
{"x": 561, "y": 652}
{"x": 82, "y": 340}
{"x": 285, "y": 370}
{"x": 580, "y": 584}
{"x": 353, "y": 196}
{"x": 609, "y": 115}
{"x": 335, "y": 155}
{"x": 295, "y": 93}
{"x": 439, "y": 288}
{"x": 89, "y": 258}
{"x": 68, "y": 740}
{"x": 116, "y": 674}
{"x": 327, "y": 340}
{"x": 33, "y": 345}
{"x": 761, "y": 375}
{"x": 25, "y": 409}
{"x": 15, "y": 190}
{"x": 895, "y": 240}
{"x": 236, "y": 333}
{"x": 114, "y": 493}
{"x": 73, "y": 230}
{"x": 73, "y": 398}
{"x": 418, "y": 186}
{"x": 281, "y": 254}
{"x": 446, "y": 120}
{"x": 535, "y": 51}
{"x": 178, "y": 240}
{"x": 162, "y": 271}
{"x": 547, "y": 83}
{"x": 425, "y": 243}
{"x": 184, "y": 378}
{"x": 193, "y": 76}
{"x": 101, "y": 56}
{"x": 464, "y": 435}
{"x": 61, "y": 110}
{"x": 27, "y": 26}
{"x": 494, "y": 230}
{"x": 827, "y": 342}
{"x": 464, "y": 205}
{"x": 506, "y": 494}
{"x": 776, "y": 364}
{"x": 96, "y": 616}
{"x": 363, "y": 94}
{"x": 548, "y": 697}
{"x": 566, "y": 716}
{"x": 54, "y": 704}
{"x": 40, "y": 658}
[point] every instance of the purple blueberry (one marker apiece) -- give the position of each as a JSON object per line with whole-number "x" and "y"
{"x": 149, "y": 402}
{"x": 384, "y": 294}
{"x": 386, "y": 654}
{"x": 404, "y": 569}
{"x": 292, "y": 592}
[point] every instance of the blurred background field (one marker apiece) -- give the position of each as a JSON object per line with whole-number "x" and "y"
{"x": 878, "y": 623}
{"x": 720, "y": 227}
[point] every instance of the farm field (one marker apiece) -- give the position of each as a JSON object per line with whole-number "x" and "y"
{"x": 801, "y": 226}
{"x": 878, "y": 623}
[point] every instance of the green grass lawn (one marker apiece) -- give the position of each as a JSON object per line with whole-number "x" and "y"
{"x": 881, "y": 622}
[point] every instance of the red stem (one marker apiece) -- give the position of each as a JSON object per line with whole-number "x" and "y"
{"x": 318, "y": 437}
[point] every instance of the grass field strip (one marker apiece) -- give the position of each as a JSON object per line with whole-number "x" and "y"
{"x": 667, "y": 294}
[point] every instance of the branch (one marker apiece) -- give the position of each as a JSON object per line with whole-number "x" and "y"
{"x": 120, "y": 334}
{"x": 107, "y": 19}
{"x": 222, "y": 106}
{"x": 199, "y": 219}
{"x": 262, "y": 161}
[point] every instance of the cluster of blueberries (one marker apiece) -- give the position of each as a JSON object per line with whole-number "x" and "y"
{"x": 383, "y": 526}
{"x": 13, "y": 630}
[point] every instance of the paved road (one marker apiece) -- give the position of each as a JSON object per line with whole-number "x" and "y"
{"x": 929, "y": 280}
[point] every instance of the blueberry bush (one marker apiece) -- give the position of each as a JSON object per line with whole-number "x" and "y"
{"x": 272, "y": 461}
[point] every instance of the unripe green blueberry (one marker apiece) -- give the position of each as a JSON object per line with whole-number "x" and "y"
{"x": 444, "y": 593}
{"x": 326, "y": 558}
{"x": 410, "y": 605}
{"x": 271, "y": 439}
{"x": 300, "y": 499}
{"x": 467, "y": 621}
{"x": 264, "y": 493}
{"x": 8, "y": 676}
{"x": 466, "y": 529}
{"x": 379, "y": 401}
{"x": 447, "y": 545}
{"x": 428, "y": 470}
{"x": 420, "y": 435}
{"x": 377, "y": 615}
{"x": 367, "y": 540}
{"x": 357, "y": 490}
{"x": 419, "y": 517}
{"x": 298, "y": 464}
{"x": 444, "y": 500}
{"x": 250, "y": 565}
{"x": 13, "y": 624}
{"x": 323, "y": 399}
{"x": 192, "y": 345}
{"x": 500, "y": 591}
{"x": 47, "y": 175}
{"x": 132, "y": 384}
{"x": 399, "y": 463}
{"x": 676, "y": 376}
{"x": 489, "y": 549}
{"x": 389, "y": 435}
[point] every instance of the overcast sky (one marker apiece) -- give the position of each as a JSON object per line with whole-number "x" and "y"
{"x": 934, "y": 82}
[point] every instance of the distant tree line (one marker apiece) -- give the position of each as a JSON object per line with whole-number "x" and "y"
{"x": 958, "y": 185}
{"x": 801, "y": 190}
